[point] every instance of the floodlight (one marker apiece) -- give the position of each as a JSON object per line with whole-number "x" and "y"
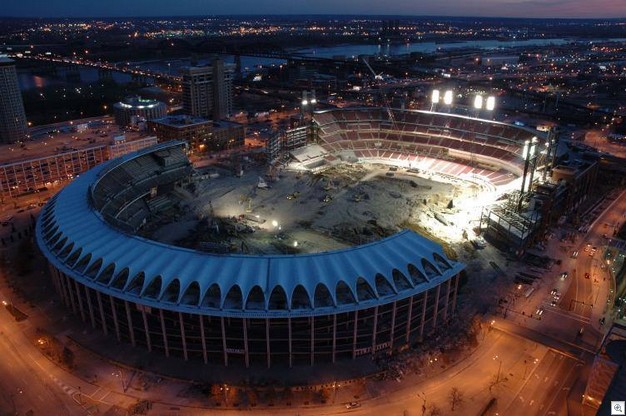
{"x": 435, "y": 97}
{"x": 305, "y": 102}
{"x": 447, "y": 97}
{"x": 525, "y": 151}
{"x": 478, "y": 102}
{"x": 533, "y": 146}
{"x": 491, "y": 103}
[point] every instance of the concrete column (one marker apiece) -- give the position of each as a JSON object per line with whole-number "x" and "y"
{"x": 267, "y": 341}
{"x": 164, "y": 332}
{"x": 80, "y": 300}
{"x": 456, "y": 290}
{"x": 54, "y": 273}
{"x": 356, "y": 323}
{"x": 393, "y": 325}
{"x": 68, "y": 282}
{"x": 204, "y": 352}
{"x": 290, "y": 346}
{"x": 224, "y": 341}
{"x": 115, "y": 322}
{"x": 312, "y": 340}
{"x": 375, "y": 327}
{"x": 334, "y": 335}
{"x": 425, "y": 302}
{"x": 90, "y": 307}
{"x": 182, "y": 335}
{"x": 245, "y": 342}
{"x": 145, "y": 327}
{"x": 102, "y": 318}
{"x": 436, "y": 311}
{"x": 65, "y": 293}
{"x": 131, "y": 330}
{"x": 408, "y": 321}
{"x": 447, "y": 301}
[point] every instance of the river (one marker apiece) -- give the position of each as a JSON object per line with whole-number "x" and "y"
{"x": 29, "y": 80}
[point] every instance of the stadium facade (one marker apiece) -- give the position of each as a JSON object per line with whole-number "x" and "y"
{"x": 229, "y": 308}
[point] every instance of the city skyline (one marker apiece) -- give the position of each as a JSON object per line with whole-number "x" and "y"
{"x": 479, "y": 8}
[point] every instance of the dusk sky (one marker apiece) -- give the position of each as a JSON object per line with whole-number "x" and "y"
{"x": 504, "y": 8}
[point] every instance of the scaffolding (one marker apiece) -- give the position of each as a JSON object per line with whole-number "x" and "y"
{"x": 508, "y": 229}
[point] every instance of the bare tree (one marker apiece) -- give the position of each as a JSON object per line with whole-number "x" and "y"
{"x": 456, "y": 397}
{"x": 435, "y": 410}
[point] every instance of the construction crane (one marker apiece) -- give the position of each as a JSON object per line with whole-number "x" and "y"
{"x": 383, "y": 95}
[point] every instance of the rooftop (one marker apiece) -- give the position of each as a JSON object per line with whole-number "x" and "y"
{"x": 225, "y": 124}
{"x": 54, "y": 139}
{"x": 4, "y": 61}
{"x": 138, "y": 102}
{"x": 181, "y": 121}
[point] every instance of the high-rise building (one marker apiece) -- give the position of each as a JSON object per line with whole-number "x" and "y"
{"x": 12, "y": 117}
{"x": 208, "y": 90}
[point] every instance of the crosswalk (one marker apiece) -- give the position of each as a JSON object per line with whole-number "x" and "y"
{"x": 565, "y": 314}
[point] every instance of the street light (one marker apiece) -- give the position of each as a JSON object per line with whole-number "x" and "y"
{"x": 120, "y": 374}
{"x": 495, "y": 357}
{"x": 225, "y": 389}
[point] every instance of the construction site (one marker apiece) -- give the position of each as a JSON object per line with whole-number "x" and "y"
{"x": 299, "y": 211}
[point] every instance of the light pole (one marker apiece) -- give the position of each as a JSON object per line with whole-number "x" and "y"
{"x": 528, "y": 153}
{"x": 495, "y": 357}
{"x": 308, "y": 102}
{"x": 335, "y": 385}
{"x": 119, "y": 373}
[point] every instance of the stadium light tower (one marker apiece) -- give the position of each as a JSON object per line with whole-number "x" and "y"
{"x": 480, "y": 102}
{"x": 434, "y": 99}
{"x": 528, "y": 153}
{"x": 308, "y": 102}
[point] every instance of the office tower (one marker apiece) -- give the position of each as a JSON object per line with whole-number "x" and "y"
{"x": 12, "y": 118}
{"x": 208, "y": 90}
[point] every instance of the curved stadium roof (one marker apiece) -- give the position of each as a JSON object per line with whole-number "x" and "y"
{"x": 78, "y": 241}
